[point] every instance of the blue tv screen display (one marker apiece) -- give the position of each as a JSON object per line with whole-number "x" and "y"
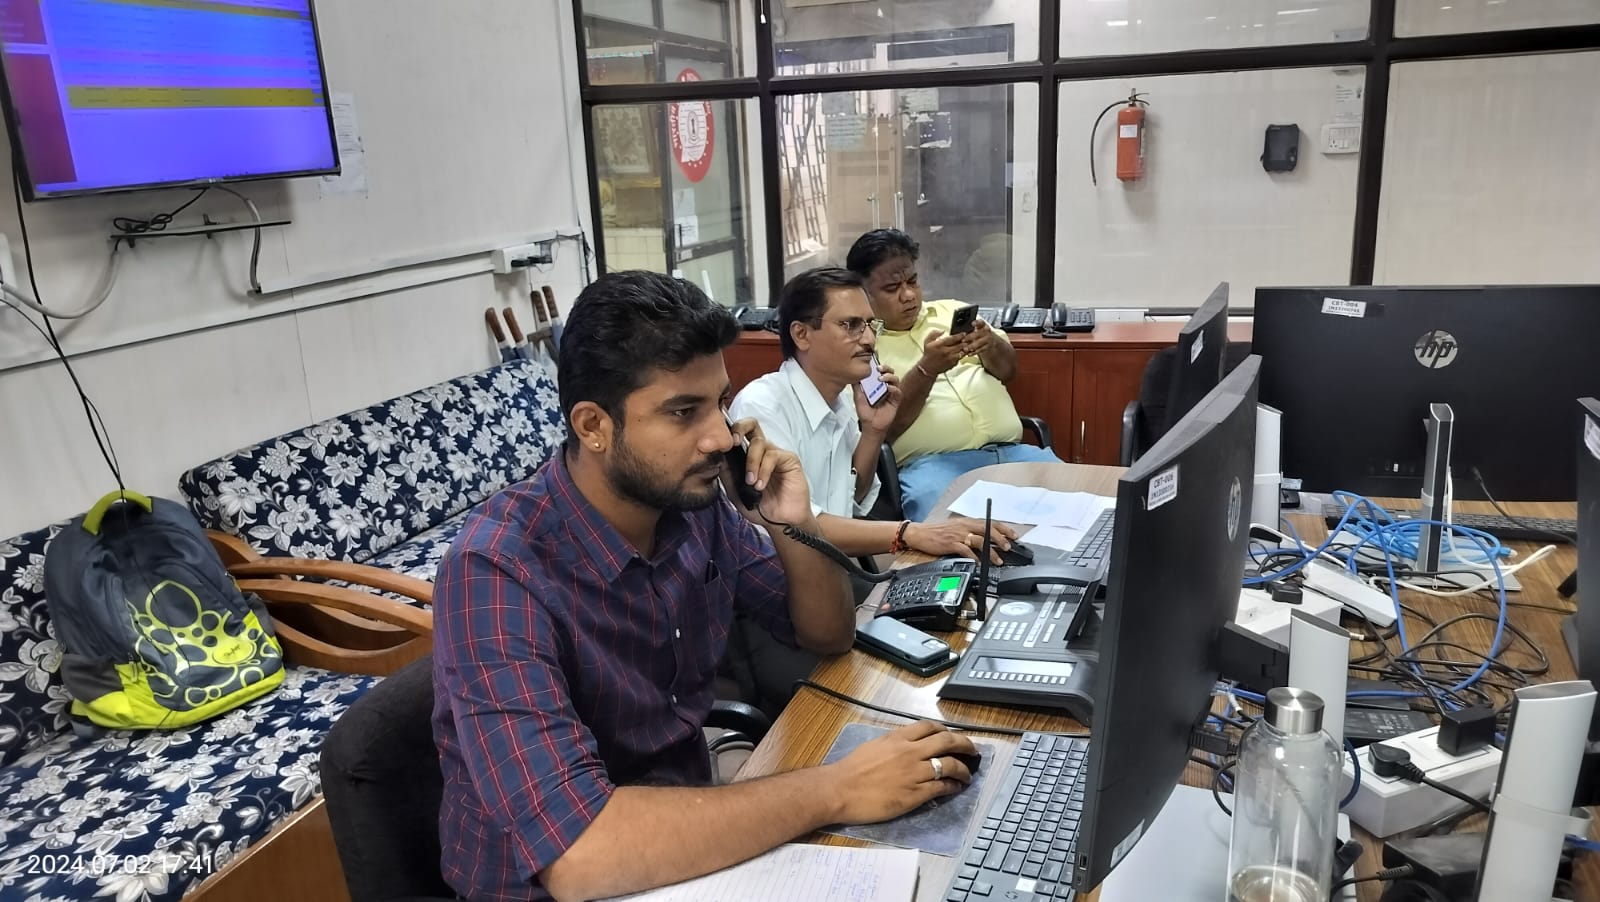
{"x": 111, "y": 95}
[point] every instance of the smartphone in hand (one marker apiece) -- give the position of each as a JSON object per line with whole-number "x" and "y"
{"x": 964, "y": 319}
{"x": 739, "y": 461}
{"x": 873, "y": 386}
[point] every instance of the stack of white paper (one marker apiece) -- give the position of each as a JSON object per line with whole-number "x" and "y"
{"x": 802, "y": 873}
{"x": 1030, "y": 504}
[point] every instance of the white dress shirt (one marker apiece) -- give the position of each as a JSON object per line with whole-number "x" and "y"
{"x": 794, "y": 416}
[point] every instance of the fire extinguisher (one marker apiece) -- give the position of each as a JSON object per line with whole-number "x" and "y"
{"x": 1130, "y": 137}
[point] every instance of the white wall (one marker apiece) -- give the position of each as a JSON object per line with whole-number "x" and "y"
{"x": 1206, "y": 211}
{"x": 1414, "y": 17}
{"x": 1107, "y": 27}
{"x": 468, "y": 115}
{"x": 1490, "y": 173}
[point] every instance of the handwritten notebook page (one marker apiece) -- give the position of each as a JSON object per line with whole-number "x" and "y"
{"x": 800, "y": 872}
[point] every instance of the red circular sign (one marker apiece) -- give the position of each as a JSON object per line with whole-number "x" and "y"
{"x": 693, "y": 132}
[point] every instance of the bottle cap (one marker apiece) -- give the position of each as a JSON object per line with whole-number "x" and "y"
{"x": 1294, "y": 711}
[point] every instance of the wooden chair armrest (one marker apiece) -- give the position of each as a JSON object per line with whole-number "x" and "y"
{"x": 384, "y": 610}
{"x": 232, "y": 549}
{"x": 376, "y": 577}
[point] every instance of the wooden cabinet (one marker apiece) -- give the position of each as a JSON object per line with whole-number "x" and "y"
{"x": 754, "y": 355}
{"x": 1078, "y": 385}
{"x": 1103, "y": 382}
{"x": 1043, "y": 388}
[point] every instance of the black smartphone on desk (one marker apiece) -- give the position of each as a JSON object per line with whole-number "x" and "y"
{"x": 905, "y": 646}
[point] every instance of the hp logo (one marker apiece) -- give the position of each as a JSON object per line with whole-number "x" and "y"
{"x": 1436, "y": 349}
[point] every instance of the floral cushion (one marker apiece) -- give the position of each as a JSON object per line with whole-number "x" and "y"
{"x": 33, "y": 701}
{"x": 420, "y": 555}
{"x": 355, "y": 486}
{"x": 146, "y": 816}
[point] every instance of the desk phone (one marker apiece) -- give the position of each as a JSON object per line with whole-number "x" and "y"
{"x": 1022, "y": 656}
{"x": 930, "y": 596}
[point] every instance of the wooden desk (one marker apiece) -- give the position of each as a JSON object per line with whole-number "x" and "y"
{"x": 808, "y": 727}
{"x": 1078, "y": 384}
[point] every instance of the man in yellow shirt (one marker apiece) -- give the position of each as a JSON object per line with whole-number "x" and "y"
{"x": 955, "y": 413}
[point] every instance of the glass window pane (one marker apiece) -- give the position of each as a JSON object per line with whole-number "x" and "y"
{"x": 1488, "y": 172}
{"x": 701, "y": 18}
{"x": 1112, "y": 27}
{"x": 675, "y": 192}
{"x": 1414, "y": 17}
{"x": 1206, "y": 210}
{"x": 638, "y": 12}
{"x": 828, "y": 36}
{"x": 956, "y": 168}
{"x": 624, "y": 47}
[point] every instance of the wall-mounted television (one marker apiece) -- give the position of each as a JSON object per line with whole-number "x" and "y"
{"x": 115, "y": 95}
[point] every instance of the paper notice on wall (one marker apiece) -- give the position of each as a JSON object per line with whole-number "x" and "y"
{"x": 919, "y": 100}
{"x": 1349, "y": 95}
{"x": 845, "y": 131}
{"x": 688, "y": 230}
{"x": 352, "y": 179}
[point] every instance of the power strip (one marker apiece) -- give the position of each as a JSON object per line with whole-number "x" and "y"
{"x": 1259, "y": 614}
{"x": 1386, "y": 806}
{"x": 1346, "y": 588}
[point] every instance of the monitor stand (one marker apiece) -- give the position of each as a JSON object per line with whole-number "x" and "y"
{"x": 1183, "y": 856}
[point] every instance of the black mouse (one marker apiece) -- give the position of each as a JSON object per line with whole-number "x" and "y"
{"x": 972, "y": 761}
{"x": 1018, "y": 555}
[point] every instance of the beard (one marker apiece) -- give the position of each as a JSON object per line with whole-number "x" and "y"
{"x": 631, "y": 478}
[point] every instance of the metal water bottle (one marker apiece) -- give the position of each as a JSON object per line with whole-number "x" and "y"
{"x": 1285, "y": 804}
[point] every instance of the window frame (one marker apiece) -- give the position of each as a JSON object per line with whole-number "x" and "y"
{"x": 1377, "y": 53}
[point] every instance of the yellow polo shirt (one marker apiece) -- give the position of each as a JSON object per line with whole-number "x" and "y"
{"x": 966, "y": 408}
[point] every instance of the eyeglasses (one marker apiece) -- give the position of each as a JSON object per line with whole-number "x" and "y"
{"x": 855, "y": 325}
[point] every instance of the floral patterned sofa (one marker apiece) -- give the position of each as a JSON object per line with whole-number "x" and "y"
{"x": 388, "y": 485}
{"x": 150, "y": 816}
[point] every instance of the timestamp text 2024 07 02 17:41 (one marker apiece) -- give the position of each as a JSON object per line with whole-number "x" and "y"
{"x": 100, "y": 865}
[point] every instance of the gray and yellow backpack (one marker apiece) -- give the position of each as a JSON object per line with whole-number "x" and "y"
{"x": 153, "y": 631}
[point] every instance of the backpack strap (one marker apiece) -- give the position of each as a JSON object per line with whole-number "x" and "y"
{"x": 91, "y": 520}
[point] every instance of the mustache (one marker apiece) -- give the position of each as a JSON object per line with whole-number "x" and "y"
{"x": 712, "y": 463}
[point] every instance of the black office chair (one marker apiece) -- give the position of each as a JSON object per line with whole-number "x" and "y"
{"x": 889, "y": 506}
{"x": 1144, "y": 420}
{"x": 381, "y": 780}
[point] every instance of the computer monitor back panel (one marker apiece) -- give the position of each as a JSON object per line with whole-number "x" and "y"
{"x": 1177, "y": 558}
{"x": 1202, "y": 345}
{"x": 1587, "y": 618}
{"x": 1354, "y": 370}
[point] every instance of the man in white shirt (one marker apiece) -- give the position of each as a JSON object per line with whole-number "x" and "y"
{"x": 814, "y": 405}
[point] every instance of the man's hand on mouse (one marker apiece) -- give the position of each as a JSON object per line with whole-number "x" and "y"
{"x": 893, "y": 774}
{"x": 958, "y": 536}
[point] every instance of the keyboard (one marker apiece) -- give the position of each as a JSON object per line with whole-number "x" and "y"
{"x": 1525, "y": 529}
{"x": 1026, "y": 847}
{"x": 1095, "y": 547}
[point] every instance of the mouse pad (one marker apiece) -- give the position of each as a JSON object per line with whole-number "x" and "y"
{"x": 936, "y": 827}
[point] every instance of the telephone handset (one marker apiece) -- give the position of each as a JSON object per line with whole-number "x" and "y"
{"x": 1065, "y": 320}
{"x": 753, "y": 319}
{"x": 748, "y": 496}
{"x": 739, "y": 461}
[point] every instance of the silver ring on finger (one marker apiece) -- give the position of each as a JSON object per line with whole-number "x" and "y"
{"x": 938, "y": 768}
